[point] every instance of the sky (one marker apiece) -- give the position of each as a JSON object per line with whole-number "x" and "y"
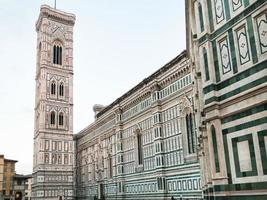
{"x": 117, "y": 43}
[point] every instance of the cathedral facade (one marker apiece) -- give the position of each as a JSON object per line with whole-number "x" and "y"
{"x": 53, "y": 134}
{"x": 194, "y": 129}
{"x": 227, "y": 41}
{"x": 144, "y": 144}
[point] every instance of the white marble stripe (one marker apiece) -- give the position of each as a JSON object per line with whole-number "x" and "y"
{"x": 237, "y": 84}
{"x": 244, "y": 120}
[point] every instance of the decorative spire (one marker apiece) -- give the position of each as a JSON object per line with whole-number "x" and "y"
{"x": 55, "y": 4}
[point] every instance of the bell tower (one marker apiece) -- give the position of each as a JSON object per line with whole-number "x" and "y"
{"x": 53, "y": 157}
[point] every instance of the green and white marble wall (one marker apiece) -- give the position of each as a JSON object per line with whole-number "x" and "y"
{"x": 229, "y": 38}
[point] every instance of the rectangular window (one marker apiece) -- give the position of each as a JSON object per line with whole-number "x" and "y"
{"x": 59, "y": 159}
{"x": 54, "y": 158}
{"x": 46, "y": 158}
{"x": 66, "y": 159}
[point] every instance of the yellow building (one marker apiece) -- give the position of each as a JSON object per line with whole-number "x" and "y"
{"x": 7, "y": 173}
{"x": 1, "y": 175}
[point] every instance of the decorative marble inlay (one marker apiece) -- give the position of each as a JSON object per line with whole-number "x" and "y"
{"x": 262, "y": 31}
{"x": 219, "y": 12}
{"x": 236, "y": 4}
{"x": 244, "y": 156}
{"x": 243, "y": 48}
{"x": 225, "y": 56}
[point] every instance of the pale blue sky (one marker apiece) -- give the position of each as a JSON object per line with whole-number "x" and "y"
{"x": 117, "y": 43}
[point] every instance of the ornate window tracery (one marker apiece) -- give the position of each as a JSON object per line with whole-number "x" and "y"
{"x": 61, "y": 119}
{"x": 53, "y": 88}
{"x": 57, "y": 53}
{"x": 61, "y": 89}
{"x": 52, "y": 118}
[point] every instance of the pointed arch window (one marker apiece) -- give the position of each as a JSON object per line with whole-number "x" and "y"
{"x": 53, "y": 88}
{"x": 61, "y": 89}
{"x": 52, "y": 118}
{"x": 61, "y": 119}
{"x": 140, "y": 150}
{"x": 191, "y": 140}
{"x": 201, "y": 20}
{"x": 57, "y": 54}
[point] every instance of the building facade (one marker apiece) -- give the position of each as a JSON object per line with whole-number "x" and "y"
{"x": 7, "y": 173}
{"x": 28, "y": 188}
{"x": 1, "y": 175}
{"x": 227, "y": 40}
{"x": 22, "y": 187}
{"x": 53, "y": 133}
{"x": 196, "y": 128}
{"x": 144, "y": 144}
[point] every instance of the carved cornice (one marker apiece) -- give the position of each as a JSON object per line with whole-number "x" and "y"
{"x": 56, "y": 15}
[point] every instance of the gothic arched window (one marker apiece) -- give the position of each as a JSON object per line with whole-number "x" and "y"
{"x": 61, "y": 89}
{"x": 52, "y": 118}
{"x": 201, "y": 20}
{"x": 61, "y": 119}
{"x": 140, "y": 150}
{"x": 57, "y": 54}
{"x": 53, "y": 88}
{"x": 191, "y": 143}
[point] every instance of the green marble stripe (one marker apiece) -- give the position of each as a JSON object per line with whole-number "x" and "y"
{"x": 242, "y": 186}
{"x": 227, "y": 9}
{"x": 216, "y": 62}
{"x": 215, "y": 149}
{"x": 208, "y": 193}
{"x": 252, "y": 40}
{"x": 201, "y": 19}
{"x": 245, "y": 125}
{"x": 227, "y": 160}
{"x": 232, "y": 21}
{"x": 238, "y": 77}
{"x": 246, "y": 3}
{"x": 245, "y": 113}
{"x": 263, "y": 150}
{"x": 237, "y": 91}
{"x": 233, "y": 51}
{"x": 242, "y": 197}
{"x": 210, "y": 15}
